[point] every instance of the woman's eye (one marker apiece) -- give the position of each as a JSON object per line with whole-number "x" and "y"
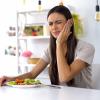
{"x": 50, "y": 24}
{"x": 58, "y": 22}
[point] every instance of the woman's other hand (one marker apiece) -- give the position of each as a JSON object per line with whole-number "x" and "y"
{"x": 4, "y": 79}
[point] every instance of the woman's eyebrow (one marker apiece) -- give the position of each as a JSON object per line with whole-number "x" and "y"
{"x": 56, "y": 21}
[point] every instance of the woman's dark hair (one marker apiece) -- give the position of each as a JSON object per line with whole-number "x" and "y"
{"x": 71, "y": 45}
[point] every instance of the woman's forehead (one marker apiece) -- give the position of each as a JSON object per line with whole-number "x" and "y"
{"x": 56, "y": 16}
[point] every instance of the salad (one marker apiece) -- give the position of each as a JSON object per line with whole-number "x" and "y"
{"x": 24, "y": 82}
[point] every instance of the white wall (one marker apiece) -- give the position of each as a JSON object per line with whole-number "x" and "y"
{"x": 86, "y": 9}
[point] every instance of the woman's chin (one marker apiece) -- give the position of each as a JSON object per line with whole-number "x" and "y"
{"x": 56, "y": 36}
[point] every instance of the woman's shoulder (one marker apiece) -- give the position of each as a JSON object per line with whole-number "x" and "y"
{"x": 46, "y": 55}
{"x": 85, "y": 51}
{"x": 85, "y": 45}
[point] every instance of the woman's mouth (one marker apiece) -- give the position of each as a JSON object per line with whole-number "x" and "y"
{"x": 56, "y": 33}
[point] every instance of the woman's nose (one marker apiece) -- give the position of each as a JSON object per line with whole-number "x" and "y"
{"x": 54, "y": 26}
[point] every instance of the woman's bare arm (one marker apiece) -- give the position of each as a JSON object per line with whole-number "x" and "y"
{"x": 40, "y": 66}
{"x": 67, "y": 72}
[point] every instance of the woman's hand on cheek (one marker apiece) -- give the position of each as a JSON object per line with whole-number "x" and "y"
{"x": 64, "y": 34}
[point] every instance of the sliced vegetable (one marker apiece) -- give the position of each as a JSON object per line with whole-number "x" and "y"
{"x": 24, "y": 82}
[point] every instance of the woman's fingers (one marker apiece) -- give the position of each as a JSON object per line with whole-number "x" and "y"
{"x": 2, "y": 80}
{"x": 68, "y": 26}
{"x": 70, "y": 22}
{"x": 64, "y": 34}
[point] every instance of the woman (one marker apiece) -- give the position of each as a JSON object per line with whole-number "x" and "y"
{"x": 68, "y": 57}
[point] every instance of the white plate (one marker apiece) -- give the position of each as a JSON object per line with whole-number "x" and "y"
{"x": 24, "y": 86}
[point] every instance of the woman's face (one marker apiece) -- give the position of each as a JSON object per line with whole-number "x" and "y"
{"x": 56, "y": 23}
